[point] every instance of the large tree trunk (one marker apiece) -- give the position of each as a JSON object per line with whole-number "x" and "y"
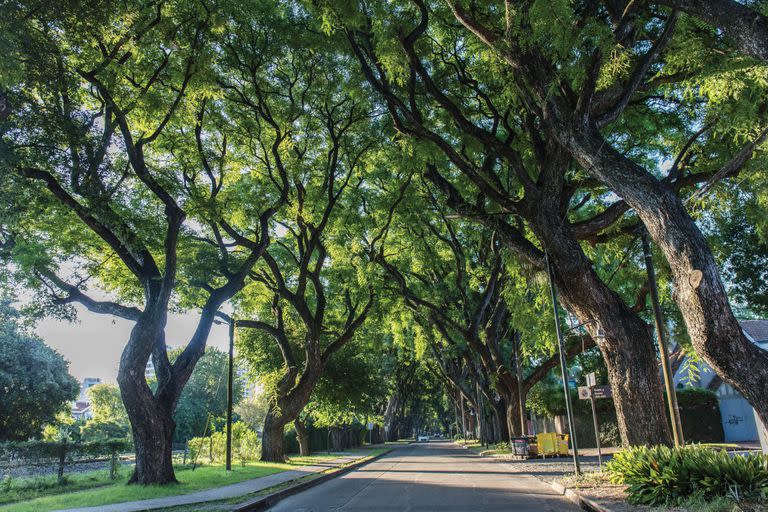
{"x": 500, "y": 413}
{"x": 302, "y": 435}
{"x": 513, "y": 419}
{"x": 153, "y": 442}
{"x": 699, "y": 292}
{"x": 628, "y": 347}
{"x": 337, "y": 441}
{"x": 272, "y": 437}
{"x": 151, "y": 416}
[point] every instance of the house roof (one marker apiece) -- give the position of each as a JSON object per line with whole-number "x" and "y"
{"x": 676, "y": 358}
{"x": 755, "y": 329}
{"x": 80, "y": 407}
{"x": 715, "y": 383}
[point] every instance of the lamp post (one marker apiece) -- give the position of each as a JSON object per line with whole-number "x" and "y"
{"x": 563, "y": 366}
{"x": 674, "y": 412}
{"x": 230, "y": 372}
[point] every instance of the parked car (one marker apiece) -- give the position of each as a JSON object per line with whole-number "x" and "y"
{"x": 422, "y": 438}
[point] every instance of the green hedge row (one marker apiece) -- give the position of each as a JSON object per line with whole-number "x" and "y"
{"x": 61, "y": 453}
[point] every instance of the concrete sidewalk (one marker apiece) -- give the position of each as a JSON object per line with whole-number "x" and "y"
{"x": 221, "y": 493}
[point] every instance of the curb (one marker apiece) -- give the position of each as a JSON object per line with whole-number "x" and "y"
{"x": 264, "y": 502}
{"x": 577, "y": 498}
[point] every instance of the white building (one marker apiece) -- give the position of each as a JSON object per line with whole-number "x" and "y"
{"x": 81, "y": 408}
{"x": 737, "y": 415}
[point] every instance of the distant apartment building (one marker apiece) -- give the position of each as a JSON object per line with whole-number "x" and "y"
{"x": 149, "y": 371}
{"x": 81, "y": 408}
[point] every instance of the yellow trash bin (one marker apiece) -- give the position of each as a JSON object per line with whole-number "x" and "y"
{"x": 546, "y": 442}
{"x": 562, "y": 444}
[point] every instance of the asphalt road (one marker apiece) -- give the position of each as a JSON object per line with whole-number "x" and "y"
{"x": 435, "y": 476}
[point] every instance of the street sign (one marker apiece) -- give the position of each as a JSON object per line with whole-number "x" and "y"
{"x": 370, "y": 425}
{"x": 591, "y": 380}
{"x": 597, "y": 392}
{"x": 602, "y": 392}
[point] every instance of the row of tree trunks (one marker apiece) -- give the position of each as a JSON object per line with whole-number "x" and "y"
{"x": 302, "y": 436}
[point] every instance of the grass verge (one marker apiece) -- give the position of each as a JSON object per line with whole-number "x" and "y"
{"x": 94, "y": 488}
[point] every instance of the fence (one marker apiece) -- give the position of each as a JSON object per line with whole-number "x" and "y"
{"x": 62, "y": 454}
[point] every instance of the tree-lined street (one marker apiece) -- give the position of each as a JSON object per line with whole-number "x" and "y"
{"x": 428, "y": 477}
{"x": 413, "y": 218}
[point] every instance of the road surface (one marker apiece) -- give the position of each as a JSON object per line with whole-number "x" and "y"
{"x": 435, "y": 476}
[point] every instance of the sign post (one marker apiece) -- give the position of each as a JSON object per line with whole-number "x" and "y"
{"x": 591, "y": 381}
{"x": 590, "y": 392}
{"x": 370, "y": 432}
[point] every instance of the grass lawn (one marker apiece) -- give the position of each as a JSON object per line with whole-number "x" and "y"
{"x": 95, "y": 488}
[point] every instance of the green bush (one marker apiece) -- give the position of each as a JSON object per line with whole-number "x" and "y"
{"x": 668, "y": 476}
{"x": 213, "y": 448}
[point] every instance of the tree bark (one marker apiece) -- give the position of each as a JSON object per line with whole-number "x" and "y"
{"x": 150, "y": 415}
{"x": 272, "y": 438}
{"x": 302, "y": 435}
{"x": 153, "y": 442}
{"x": 746, "y": 27}
{"x": 713, "y": 328}
{"x": 513, "y": 419}
{"x": 337, "y": 442}
{"x": 500, "y": 414}
{"x": 628, "y": 347}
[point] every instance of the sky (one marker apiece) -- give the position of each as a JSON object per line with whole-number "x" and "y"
{"x": 93, "y": 344}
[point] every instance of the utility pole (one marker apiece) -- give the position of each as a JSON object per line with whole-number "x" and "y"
{"x": 519, "y": 374}
{"x": 563, "y": 366}
{"x": 463, "y": 421}
{"x": 674, "y": 411}
{"x": 232, "y": 323}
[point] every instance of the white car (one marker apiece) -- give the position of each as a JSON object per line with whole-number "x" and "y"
{"x": 422, "y": 438}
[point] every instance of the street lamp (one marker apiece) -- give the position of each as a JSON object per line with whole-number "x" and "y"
{"x": 666, "y": 367}
{"x": 564, "y": 363}
{"x": 230, "y": 370}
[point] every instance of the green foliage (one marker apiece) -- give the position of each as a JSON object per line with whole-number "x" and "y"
{"x": 205, "y": 393}
{"x": 101, "y": 431}
{"x": 253, "y": 409}
{"x": 700, "y": 415}
{"x": 692, "y": 397}
{"x": 35, "y": 450}
{"x": 107, "y": 404}
{"x": 667, "y": 476}
{"x": 35, "y": 383}
{"x": 213, "y": 448}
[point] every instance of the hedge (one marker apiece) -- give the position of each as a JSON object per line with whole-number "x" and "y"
{"x": 62, "y": 453}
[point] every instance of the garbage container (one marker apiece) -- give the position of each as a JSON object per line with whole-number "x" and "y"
{"x": 547, "y": 443}
{"x": 533, "y": 447}
{"x": 520, "y": 446}
{"x": 562, "y": 444}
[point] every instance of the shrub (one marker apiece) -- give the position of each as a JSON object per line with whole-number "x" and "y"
{"x": 245, "y": 445}
{"x": 668, "y": 476}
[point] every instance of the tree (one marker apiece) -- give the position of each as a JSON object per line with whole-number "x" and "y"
{"x": 310, "y": 294}
{"x": 35, "y": 384}
{"x": 473, "y": 308}
{"x": 579, "y": 106}
{"x": 507, "y": 169}
{"x": 106, "y": 404}
{"x": 119, "y": 162}
{"x": 253, "y": 409}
